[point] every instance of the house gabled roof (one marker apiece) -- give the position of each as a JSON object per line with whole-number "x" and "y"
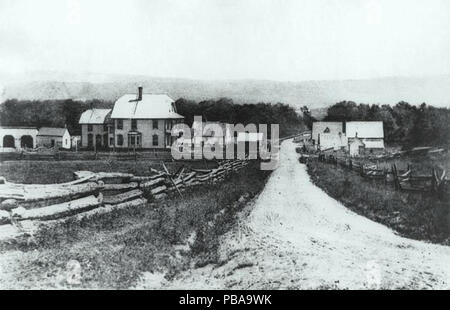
{"x": 364, "y": 129}
{"x": 50, "y": 131}
{"x": 152, "y": 106}
{"x": 94, "y": 116}
{"x": 326, "y": 127}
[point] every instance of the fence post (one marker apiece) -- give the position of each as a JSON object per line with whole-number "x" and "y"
{"x": 396, "y": 180}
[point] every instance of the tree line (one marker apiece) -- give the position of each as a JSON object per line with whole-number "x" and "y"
{"x": 60, "y": 113}
{"x": 404, "y": 124}
{"x": 225, "y": 110}
{"x": 47, "y": 113}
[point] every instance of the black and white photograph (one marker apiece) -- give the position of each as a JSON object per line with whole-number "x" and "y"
{"x": 200, "y": 146}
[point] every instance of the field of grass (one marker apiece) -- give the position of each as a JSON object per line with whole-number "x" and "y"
{"x": 415, "y": 215}
{"x": 115, "y": 249}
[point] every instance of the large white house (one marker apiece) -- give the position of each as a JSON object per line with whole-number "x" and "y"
{"x": 136, "y": 121}
{"x": 144, "y": 121}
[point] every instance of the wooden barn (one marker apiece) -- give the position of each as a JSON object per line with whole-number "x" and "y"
{"x": 365, "y": 137}
{"x": 51, "y": 137}
{"x": 327, "y": 135}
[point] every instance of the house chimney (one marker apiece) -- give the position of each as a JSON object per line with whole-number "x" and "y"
{"x": 139, "y": 93}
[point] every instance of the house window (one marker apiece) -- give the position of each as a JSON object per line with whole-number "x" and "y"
{"x": 155, "y": 140}
{"x": 133, "y": 124}
{"x": 111, "y": 141}
{"x": 89, "y": 127}
{"x": 90, "y": 140}
{"x": 119, "y": 140}
{"x": 119, "y": 124}
{"x": 105, "y": 127}
{"x": 111, "y": 129}
{"x": 155, "y": 124}
{"x": 98, "y": 140}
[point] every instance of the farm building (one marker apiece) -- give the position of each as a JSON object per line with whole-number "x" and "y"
{"x": 333, "y": 132}
{"x": 13, "y": 138}
{"x": 96, "y": 126}
{"x": 144, "y": 121}
{"x": 356, "y": 147}
{"x": 371, "y": 134}
{"x": 332, "y": 141}
{"x": 50, "y": 137}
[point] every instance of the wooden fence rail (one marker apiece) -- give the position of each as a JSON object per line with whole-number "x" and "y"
{"x": 98, "y": 193}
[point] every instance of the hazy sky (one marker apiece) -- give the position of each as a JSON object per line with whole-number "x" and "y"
{"x": 223, "y": 39}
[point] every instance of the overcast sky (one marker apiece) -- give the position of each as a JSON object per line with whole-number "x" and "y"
{"x": 227, "y": 39}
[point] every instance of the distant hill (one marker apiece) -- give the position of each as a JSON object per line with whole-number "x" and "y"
{"x": 314, "y": 94}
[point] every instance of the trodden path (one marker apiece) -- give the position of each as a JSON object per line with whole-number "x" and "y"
{"x": 296, "y": 236}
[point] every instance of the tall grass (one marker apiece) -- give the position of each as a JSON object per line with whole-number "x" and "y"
{"x": 114, "y": 249}
{"x": 419, "y": 216}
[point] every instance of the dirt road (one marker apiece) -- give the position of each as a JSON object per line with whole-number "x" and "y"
{"x": 295, "y": 236}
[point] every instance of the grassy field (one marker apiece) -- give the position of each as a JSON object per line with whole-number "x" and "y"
{"x": 416, "y": 215}
{"x": 116, "y": 248}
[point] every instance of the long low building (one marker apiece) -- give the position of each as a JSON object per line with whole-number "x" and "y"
{"x": 13, "y": 138}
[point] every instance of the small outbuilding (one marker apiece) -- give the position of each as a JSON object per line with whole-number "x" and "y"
{"x": 51, "y": 137}
{"x": 371, "y": 134}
